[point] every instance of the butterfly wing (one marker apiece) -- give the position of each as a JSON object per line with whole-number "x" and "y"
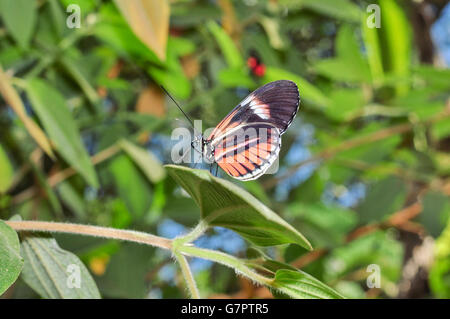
{"x": 248, "y": 150}
{"x": 275, "y": 103}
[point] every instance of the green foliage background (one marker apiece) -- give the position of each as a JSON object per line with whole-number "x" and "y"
{"x": 80, "y": 108}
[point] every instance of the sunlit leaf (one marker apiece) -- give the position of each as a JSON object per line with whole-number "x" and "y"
{"x": 12, "y": 98}
{"x": 149, "y": 20}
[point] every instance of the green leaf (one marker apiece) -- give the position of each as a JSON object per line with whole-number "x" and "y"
{"x": 19, "y": 17}
{"x": 229, "y": 50}
{"x": 147, "y": 162}
{"x": 298, "y": 284}
{"x": 375, "y": 248}
{"x": 395, "y": 39}
{"x": 339, "y": 9}
{"x": 52, "y": 271}
{"x": 131, "y": 184}
{"x": 383, "y": 198}
{"x": 57, "y": 120}
{"x": 10, "y": 260}
{"x": 325, "y": 225}
{"x": 235, "y": 77}
{"x": 306, "y": 89}
{"x": 440, "y": 270}
{"x": 373, "y": 48}
{"x": 349, "y": 51}
{"x": 224, "y": 204}
{"x": 435, "y": 213}
{"x": 6, "y": 171}
{"x": 346, "y": 103}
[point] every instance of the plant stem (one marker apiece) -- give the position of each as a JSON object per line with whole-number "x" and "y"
{"x": 121, "y": 234}
{"x": 227, "y": 260}
{"x": 179, "y": 248}
{"x": 187, "y": 274}
{"x": 194, "y": 234}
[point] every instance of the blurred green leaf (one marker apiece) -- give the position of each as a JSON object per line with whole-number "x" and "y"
{"x": 340, "y": 9}
{"x": 57, "y": 120}
{"x": 435, "y": 212}
{"x": 235, "y": 77}
{"x": 11, "y": 261}
{"x": 376, "y": 248}
{"x": 130, "y": 283}
{"x": 373, "y": 48}
{"x": 19, "y": 17}
{"x": 383, "y": 198}
{"x": 346, "y": 103}
{"x": 224, "y": 204}
{"x": 132, "y": 185}
{"x": 395, "y": 39}
{"x": 229, "y": 50}
{"x": 6, "y": 171}
{"x": 439, "y": 275}
{"x": 52, "y": 272}
{"x": 326, "y": 225}
{"x": 147, "y": 162}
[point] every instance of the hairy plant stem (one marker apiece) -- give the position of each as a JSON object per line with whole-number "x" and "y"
{"x": 227, "y": 260}
{"x": 199, "y": 230}
{"x": 188, "y": 276}
{"x": 105, "y": 232}
{"x": 180, "y": 247}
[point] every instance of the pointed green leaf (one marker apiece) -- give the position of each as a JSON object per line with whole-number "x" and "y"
{"x": 10, "y": 260}
{"x": 54, "y": 272}
{"x": 298, "y": 284}
{"x": 224, "y": 204}
{"x": 57, "y": 120}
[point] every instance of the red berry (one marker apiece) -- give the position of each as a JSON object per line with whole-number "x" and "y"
{"x": 251, "y": 62}
{"x": 260, "y": 70}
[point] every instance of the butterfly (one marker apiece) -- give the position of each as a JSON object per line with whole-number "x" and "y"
{"x": 248, "y": 140}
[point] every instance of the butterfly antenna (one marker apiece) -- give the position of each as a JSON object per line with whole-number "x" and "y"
{"x": 168, "y": 94}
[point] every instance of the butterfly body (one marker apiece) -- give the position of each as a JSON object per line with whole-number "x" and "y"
{"x": 248, "y": 140}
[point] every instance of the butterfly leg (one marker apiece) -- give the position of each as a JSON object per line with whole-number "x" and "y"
{"x": 217, "y": 168}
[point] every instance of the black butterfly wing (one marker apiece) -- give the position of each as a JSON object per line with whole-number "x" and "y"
{"x": 275, "y": 103}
